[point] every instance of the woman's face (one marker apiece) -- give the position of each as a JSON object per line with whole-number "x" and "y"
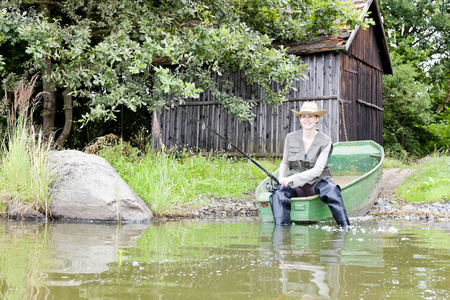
{"x": 309, "y": 121}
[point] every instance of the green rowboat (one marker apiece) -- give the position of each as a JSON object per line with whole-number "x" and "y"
{"x": 357, "y": 167}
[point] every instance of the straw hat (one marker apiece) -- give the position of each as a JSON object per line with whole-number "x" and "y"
{"x": 309, "y": 108}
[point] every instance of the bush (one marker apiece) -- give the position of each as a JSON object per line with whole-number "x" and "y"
{"x": 407, "y": 110}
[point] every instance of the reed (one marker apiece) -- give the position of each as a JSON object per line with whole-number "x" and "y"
{"x": 25, "y": 177}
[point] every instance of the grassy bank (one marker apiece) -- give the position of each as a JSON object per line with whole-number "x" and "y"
{"x": 167, "y": 181}
{"x": 430, "y": 182}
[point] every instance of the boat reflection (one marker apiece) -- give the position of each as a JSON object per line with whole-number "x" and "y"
{"x": 313, "y": 259}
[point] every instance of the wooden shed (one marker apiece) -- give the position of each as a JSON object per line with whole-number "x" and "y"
{"x": 345, "y": 78}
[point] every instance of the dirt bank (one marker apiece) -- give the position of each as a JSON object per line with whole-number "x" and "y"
{"x": 392, "y": 179}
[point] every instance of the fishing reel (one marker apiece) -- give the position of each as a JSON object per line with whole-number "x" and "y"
{"x": 271, "y": 187}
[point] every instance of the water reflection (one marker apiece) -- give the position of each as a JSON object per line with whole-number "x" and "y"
{"x": 90, "y": 248}
{"x": 223, "y": 259}
{"x": 361, "y": 247}
{"x": 35, "y": 257}
{"x": 313, "y": 259}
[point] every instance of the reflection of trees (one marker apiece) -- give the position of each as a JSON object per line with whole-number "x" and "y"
{"x": 23, "y": 259}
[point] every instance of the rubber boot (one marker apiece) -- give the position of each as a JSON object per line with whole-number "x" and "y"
{"x": 280, "y": 202}
{"x": 330, "y": 193}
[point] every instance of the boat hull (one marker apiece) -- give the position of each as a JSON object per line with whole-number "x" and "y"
{"x": 356, "y": 167}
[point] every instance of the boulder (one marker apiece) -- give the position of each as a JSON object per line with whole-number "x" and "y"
{"x": 88, "y": 188}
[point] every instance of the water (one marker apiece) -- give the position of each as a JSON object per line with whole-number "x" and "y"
{"x": 225, "y": 259}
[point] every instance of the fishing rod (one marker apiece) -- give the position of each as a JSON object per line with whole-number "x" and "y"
{"x": 271, "y": 176}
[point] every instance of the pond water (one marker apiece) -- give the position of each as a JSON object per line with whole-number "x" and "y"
{"x": 225, "y": 259}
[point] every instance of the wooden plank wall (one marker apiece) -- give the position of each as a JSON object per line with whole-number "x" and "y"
{"x": 361, "y": 101}
{"x": 266, "y": 133}
{"x": 364, "y": 47}
{"x": 361, "y": 89}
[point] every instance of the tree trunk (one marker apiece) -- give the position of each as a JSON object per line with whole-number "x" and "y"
{"x": 48, "y": 114}
{"x": 68, "y": 117}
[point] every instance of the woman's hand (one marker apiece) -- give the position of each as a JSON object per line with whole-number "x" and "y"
{"x": 285, "y": 181}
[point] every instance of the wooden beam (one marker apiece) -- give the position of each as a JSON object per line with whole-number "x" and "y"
{"x": 194, "y": 103}
{"x": 343, "y": 101}
{"x": 351, "y": 71}
{"x": 369, "y": 104}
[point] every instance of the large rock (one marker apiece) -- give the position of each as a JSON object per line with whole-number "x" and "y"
{"x": 88, "y": 188}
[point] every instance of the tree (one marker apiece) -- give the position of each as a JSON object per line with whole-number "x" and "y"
{"x": 102, "y": 52}
{"x": 418, "y": 36}
{"x": 406, "y": 109}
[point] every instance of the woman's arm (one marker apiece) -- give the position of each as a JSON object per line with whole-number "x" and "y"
{"x": 301, "y": 178}
{"x": 284, "y": 165}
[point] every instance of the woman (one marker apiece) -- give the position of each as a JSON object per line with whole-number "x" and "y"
{"x": 303, "y": 169}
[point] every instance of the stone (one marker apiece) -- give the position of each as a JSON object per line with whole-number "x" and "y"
{"x": 23, "y": 212}
{"x": 414, "y": 217}
{"x": 89, "y": 188}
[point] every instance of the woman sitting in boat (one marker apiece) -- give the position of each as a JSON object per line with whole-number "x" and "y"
{"x": 305, "y": 155}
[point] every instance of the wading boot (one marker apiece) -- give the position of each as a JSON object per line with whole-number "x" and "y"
{"x": 330, "y": 193}
{"x": 280, "y": 202}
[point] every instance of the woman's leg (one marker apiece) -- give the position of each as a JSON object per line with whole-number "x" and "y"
{"x": 330, "y": 193}
{"x": 280, "y": 202}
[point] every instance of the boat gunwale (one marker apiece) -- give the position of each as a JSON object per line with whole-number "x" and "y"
{"x": 351, "y": 183}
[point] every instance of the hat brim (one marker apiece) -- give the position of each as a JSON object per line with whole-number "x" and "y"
{"x": 319, "y": 113}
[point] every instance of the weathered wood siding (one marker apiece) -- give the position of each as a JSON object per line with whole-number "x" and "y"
{"x": 266, "y": 133}
{"x": 361, "y": 90}
{"x": 365, "y": 48}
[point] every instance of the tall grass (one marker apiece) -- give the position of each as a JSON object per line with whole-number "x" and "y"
{"x": 24, "y": 175}
{"x": 167, "y": 182}
{"x": 159, "y": 182}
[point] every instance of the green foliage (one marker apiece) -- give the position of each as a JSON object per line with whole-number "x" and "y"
{"x": 441, "y": 130}
{"x": 95, "y": 47}
{"x": 166, "y": 182}
{"x": 407, "y": 109}
{"x": 430, "y": 182}
{"x": 24, "y": 174}
{"x": 419, "y": 40}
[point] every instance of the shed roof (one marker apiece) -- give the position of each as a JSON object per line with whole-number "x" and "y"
{"x": 343, "y": 40}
